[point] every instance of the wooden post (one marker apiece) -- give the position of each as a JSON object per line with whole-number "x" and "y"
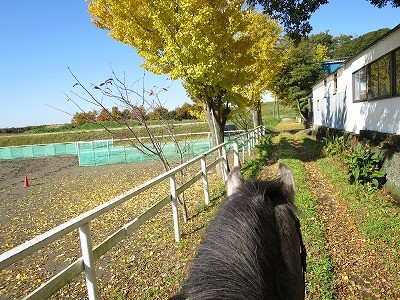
{"x": 88, "y": 260}
{"x": 236, "y": 162}
{"x": 205, "y": 180}
{"x": 174, "y": 203}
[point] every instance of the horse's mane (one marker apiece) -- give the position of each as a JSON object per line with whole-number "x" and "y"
{"x": 240, "y": 256}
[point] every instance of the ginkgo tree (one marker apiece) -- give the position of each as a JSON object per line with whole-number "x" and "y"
{"x": 217, "y": 48}
{"x": 270, "y": 56}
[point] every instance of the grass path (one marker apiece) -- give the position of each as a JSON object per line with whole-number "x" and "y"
{"x": 345, "y": 262}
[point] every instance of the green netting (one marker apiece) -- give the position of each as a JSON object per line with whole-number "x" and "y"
{"x": 45, "y": 150}
{"x": 110, "y": 154}
{"x": 104, "y": 152}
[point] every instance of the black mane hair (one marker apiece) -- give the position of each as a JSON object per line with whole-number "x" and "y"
{"x": 251, "y": 250}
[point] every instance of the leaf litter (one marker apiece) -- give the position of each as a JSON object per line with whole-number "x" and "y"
{"x": 149, "y": 264}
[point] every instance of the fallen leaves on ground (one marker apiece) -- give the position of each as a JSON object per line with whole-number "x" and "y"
{"x": 148, "y": 264}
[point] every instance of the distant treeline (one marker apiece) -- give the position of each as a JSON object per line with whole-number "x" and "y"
{"x": 20, "y": 129}
{"x": 104, "y": 118}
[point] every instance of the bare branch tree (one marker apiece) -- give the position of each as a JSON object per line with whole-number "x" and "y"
{"x": 139, "y": 104}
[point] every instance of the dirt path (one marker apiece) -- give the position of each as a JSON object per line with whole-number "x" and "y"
{"x": 356, "y": 264}
{"x": 358, "y": 267}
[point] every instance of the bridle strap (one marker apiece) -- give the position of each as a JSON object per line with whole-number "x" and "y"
{"x": 303, "y": 251}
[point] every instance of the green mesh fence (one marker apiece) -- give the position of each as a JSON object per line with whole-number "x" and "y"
{"x": 37, "y": 151}
{"x": 104, "y": 152}
{"x": 44, "y": 150}
{"x": 109, "y": 154}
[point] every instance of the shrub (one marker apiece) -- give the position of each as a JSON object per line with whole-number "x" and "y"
{"x": 264, "y": 147}
{"x": 362, "y": 163}
{"x": 364, "y": 166}
{"x": 335, "y": 145}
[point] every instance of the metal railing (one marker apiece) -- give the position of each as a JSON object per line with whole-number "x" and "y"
{"x": 81, "y": 223}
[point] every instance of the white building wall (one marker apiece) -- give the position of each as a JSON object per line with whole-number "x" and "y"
{"x": 337, "y": 110}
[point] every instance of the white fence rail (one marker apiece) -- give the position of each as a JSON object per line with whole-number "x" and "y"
{"x": 82, "y": 223}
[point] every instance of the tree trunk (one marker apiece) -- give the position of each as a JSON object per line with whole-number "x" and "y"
{"x": 216, "y": 122}
{"x": 300, "y": 112}
{"x": 256, "y": 115}
{"x": 276, "y": 109}
{"x": 213, "y": 118}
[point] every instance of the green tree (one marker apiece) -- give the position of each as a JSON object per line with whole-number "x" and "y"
{"x": 348, "y": 46}
{"x": 301, "y": 70}
{"x": 295, "y": 15}
{"x": 116, "y": 115}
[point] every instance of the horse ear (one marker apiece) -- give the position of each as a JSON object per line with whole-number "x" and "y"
{"x": 287, "y": 179}
{"x": 235, "y": 180}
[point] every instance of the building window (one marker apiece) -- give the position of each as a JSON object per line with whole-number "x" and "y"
{"x": 360, "y": 84}
{"x": 379, "y": 78}
{"x": 397, "y": 72}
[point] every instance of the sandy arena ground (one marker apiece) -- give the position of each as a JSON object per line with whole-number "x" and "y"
{"x": 13, "y": 172}
{"x": 49, "y": 179}
{"x": 59, "y": 190}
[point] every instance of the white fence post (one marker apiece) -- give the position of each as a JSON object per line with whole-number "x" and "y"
{"x": 108, "y": 152}
{"x": 224, "y": 164}
{"x": 236, "y": 161}
{"x": 88, "y": 260}
{"x": 260, "y": 132}
{"x": 205, "y": 180}
{"x": 78, "y": 152}
{"x": 256, "y": 136}
{"x": 248, "y": 144}
{"x": 174, "y": 203}
{"x": 243, "y": 148}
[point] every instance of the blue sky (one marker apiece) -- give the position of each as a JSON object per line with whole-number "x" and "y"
{"x": 41, "y": 39}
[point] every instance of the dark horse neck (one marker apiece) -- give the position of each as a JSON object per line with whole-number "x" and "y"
{"x": 251, "y": 250}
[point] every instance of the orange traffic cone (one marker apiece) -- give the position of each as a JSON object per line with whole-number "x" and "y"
{"x": 26, "y": 182}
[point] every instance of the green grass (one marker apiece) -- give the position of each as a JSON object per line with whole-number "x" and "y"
{"x": 271, "y": 121}
{"x": 253, "y": 166}
{"x": 320, "y": 277}
{"x": 378, "y": 218}
{"x": 267, "y": 109}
